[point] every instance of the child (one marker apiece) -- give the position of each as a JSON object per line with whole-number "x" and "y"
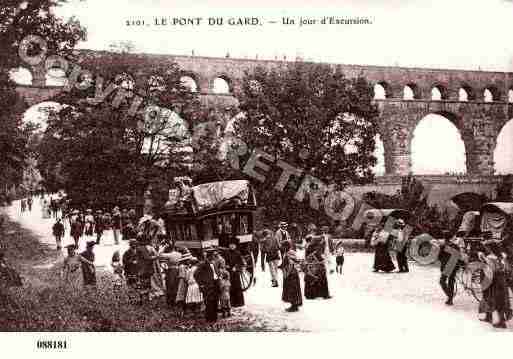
{"x": 224, "y": 289}
{"x": 339, "y": 253}
{"x": 181, "y": 292}
{"x": 118, "y": 272}
{"x": 194, "y": 298}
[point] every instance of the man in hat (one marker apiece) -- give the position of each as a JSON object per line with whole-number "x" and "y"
{"x": 271, "y": 252}
{"x": 401, "y": 245}
{"x": 99, "y": 226}
{"x": 207, "y": 278}
{"x": 76, "y": 227}
{"x": 88, "y": 269}
{"x": 448, "y": 249}
{"x": 89, "y": 223}
{"x": 58, "y": 232}
{"x": 130, "y": 264}
{"x": 282, "y": 236}
{"x": 125, "y": 220}
{"x": 116, "y": 224}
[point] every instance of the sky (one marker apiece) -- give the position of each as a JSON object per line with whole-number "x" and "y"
{"x": 468, "y": 34}
{"x": 460, "y": 34}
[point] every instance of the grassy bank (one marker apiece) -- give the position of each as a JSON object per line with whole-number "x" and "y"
{"x": 42, "y": 304}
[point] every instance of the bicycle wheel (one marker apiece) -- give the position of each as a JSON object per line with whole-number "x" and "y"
{"x": 473, "y": 280}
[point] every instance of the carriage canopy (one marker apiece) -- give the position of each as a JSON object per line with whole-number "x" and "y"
{"x": 217, "y": 195}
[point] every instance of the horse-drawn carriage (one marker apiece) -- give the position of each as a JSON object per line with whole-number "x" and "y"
{"x": 214, "y": 215}
{"x": 493, "y": 223}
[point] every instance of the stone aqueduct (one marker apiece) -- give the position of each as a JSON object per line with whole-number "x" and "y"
{"x": 478, "y": 121}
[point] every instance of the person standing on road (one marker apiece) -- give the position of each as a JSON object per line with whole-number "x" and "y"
{"x": 271, "y": 251}
{"x": 448, "y": 280}
{"x": 291, "y": 285}
{"x": 76, "y": 227}
{"x": 116, "y": 224}
{"x": 29, "y": 204}
{"x": 207, "y": 278}
{"x": 23, "y": 205}
{"x": 316, "y": 278}
{"x": 131, "y": 267}
{"x": 400, "y": 243}
{"x": 58, "y": 232}
{"x": 329, "y": 248}
{"x": 234, "y": 264}
{"x": 496, "y": 295}
{"x": 282, "y": 236}
{"x": 88, "y": 269}
{"x": 380, "y": 240}
{"x": 70, "y": 273}
{"x": 99, "y": 225}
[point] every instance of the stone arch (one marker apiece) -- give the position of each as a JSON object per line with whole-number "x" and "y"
{"x": 36, "y": 113}
{"x": 414, "y": 89}
{"x": 196, "y": 80}
{"x": 221, "y": 85}
{"x": 491, "y": 94}
{"x": 439, "y": 92}
{"x": 466, "y": 92}
{"x": 382, "y": 90}
{"x": 21, "y": 76}
{"x": 503, "y": 151}
{"x": 444, "y": 129}
{"x": 55, "y": 77}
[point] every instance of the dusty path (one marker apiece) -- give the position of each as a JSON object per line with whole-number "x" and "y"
{"x": 362, "y": 301}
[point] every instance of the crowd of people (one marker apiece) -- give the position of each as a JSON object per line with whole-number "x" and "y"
{"x": 490, "y": 260}
{"x": 209, "y": 283}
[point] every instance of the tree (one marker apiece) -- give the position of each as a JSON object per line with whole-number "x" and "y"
{"x": 19, "y": 19}
{"x": 103, "y": 152}
{"x": 312, "y": 117}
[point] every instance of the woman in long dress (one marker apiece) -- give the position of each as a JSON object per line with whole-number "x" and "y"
{"x": 316, "y": 279}
{"x": 71, "y": 274}
{"x": 496, "y": 295}
{"x": 234, "y": 264}
{"x": 291, "y": 284}
{"x": 382, "y": 259}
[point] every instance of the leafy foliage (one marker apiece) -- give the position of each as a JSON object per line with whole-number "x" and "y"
{"x": 101, "y": 152}
{"x": 413, "y": 197}
{"x": 17, "y": 20}
{"x": 311, "y": 109}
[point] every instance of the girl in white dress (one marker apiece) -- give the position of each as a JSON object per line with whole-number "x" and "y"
{"x": 194, "y": 298}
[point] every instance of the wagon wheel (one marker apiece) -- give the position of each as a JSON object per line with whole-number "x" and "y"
{"x": 246, "y": 274}
{"x": 472, "y": 282}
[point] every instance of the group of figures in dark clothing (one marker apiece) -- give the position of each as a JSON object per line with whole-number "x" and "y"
{"x": 494, "y": 256}
{"x": 280, "y": 250}
{"x": 386, "y": 241}
{"x": 211, "y": 283}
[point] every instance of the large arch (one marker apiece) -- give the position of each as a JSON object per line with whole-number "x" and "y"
{"x": 503, "y": 153}
{"x": 437, "y": 146}
{"x": 221, "y": 85}
{"x": 21, "y": 76}
{"x": 37, "y": 114}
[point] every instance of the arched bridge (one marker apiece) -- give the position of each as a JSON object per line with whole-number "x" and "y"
{"x": 476, "y": 102}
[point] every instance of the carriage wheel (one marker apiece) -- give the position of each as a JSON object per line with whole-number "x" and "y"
{"x": 473, "y": 283}
{"x": 246, "y": 274}
{"x": 246, "y": 279}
